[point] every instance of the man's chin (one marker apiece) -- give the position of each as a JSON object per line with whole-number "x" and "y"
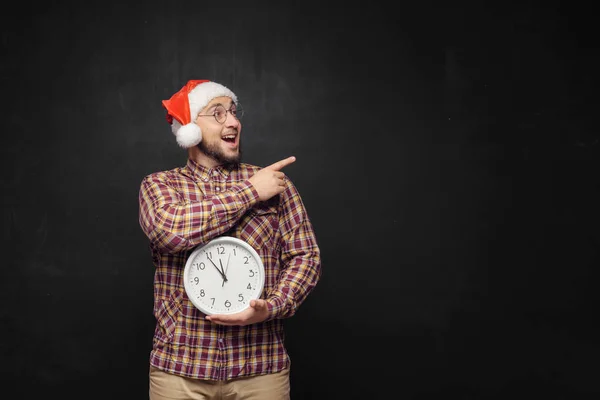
{"x": 235, "y": 160}
{"x": 231, "y": 157}
{"x": 220, "y": 155}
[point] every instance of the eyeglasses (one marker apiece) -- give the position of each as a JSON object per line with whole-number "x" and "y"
{"x": 220, "y": 113}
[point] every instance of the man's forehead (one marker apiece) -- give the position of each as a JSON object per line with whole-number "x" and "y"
{"x": 223, "y": 100}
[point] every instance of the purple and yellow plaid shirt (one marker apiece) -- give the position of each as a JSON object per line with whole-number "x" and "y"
{"x": 186, "y": 207}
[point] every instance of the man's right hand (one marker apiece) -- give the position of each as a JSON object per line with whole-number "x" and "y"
{"x": 269, "y": 181}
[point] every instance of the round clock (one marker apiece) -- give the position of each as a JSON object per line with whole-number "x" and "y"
{"x": 222, "y": 276}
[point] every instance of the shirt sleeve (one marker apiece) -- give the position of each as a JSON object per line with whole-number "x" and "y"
{"x": 300, "y": 257}
{"x": 174, "y": 225}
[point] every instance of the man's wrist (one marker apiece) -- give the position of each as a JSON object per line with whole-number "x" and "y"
{"x": 273, "y": 307}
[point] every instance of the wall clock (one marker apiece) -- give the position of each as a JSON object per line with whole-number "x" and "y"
{"x": 222, "y": 276}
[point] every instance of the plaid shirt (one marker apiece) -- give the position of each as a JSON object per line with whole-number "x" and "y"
{"x": 186, "y": 207}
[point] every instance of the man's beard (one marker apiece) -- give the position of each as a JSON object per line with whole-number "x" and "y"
{"x": 214, "y": 151}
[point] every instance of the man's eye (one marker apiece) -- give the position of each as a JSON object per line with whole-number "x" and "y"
{"x": 218, "y": 113}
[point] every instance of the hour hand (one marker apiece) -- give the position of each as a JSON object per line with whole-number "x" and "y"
{"x": 222, "y": 270}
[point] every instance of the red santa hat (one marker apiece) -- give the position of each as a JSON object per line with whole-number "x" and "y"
{"x": 185, "y": 105}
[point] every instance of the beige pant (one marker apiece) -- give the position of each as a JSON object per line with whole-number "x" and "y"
{"x": 165, "y": 386}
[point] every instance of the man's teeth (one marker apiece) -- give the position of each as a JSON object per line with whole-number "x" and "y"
{"x": 229, "y": 137}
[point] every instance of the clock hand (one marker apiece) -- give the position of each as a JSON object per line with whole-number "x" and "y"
{"x": 220, "y": 272}
{"x": 227, "y": 266}
{"x": 222, "y": 269}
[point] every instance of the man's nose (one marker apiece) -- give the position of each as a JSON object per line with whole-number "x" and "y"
{"x": 231, "y": 120}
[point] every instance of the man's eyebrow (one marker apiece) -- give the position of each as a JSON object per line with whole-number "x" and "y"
{"x": 219, "y": 104}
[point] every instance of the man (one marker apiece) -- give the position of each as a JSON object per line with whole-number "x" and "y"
{"x": 232, "y": 356}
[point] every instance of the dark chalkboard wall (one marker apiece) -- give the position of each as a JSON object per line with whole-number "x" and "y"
{"x": 447, "y": 155}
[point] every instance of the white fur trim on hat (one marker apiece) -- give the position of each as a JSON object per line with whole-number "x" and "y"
{"x": 188, "y": 135}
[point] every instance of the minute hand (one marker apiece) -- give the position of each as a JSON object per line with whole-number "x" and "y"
{"x": 227, "y": 266}
{"x": 220, "y": 272}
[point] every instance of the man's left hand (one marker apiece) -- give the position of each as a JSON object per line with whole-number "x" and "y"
{"x": 257, "y": 312}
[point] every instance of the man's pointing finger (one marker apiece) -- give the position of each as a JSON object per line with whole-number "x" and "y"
{"x": 283, "y": 163}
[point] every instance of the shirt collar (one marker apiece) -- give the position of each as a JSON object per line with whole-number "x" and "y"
{"x": 198, "y": 171}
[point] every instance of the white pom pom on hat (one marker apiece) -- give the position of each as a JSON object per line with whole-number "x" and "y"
{"x": 185, "y": 105}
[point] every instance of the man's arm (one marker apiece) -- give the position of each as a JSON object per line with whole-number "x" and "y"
{"x": 300, "y": 267}
{"x": 300, "y": 259}
{"x": 173, "y": 225}
{"x": 300, "y": 262}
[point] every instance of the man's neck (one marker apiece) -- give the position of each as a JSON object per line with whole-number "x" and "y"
{"x": 195, "y": 154}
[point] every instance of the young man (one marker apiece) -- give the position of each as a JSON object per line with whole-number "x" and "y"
{"x": 242, "y": 355}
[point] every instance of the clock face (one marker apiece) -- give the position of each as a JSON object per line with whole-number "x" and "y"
{"x": 222, "y": 276}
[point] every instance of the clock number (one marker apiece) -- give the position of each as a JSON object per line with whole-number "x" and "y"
{"x": 209, "y": 255}
{"x": 220, "y": 250}
{"x": 249, "y": 287}
{"x": 213, "y": 300}
{"x": 201, "y": 292}
{"x": 234, "y": 253}
{"x": 241, "y": 298}
{"x": 196, "y": 280}
{"x": 199, "y": 266}
{"x": 251, "y": 273}
{"x": 227, "y": 303}
{"x": 246, "y": 257}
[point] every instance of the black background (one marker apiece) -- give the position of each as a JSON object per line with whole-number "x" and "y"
{"x": 447, "y": 154}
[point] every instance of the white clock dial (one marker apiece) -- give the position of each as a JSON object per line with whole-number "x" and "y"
{"x": 222, "y": 276}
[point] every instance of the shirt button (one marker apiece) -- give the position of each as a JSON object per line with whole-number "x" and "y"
{"x": 218, "y": 189}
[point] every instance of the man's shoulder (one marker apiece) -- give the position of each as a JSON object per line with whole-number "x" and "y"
{"x": 248, "y": 167}
{"x": 167, "y": 174}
